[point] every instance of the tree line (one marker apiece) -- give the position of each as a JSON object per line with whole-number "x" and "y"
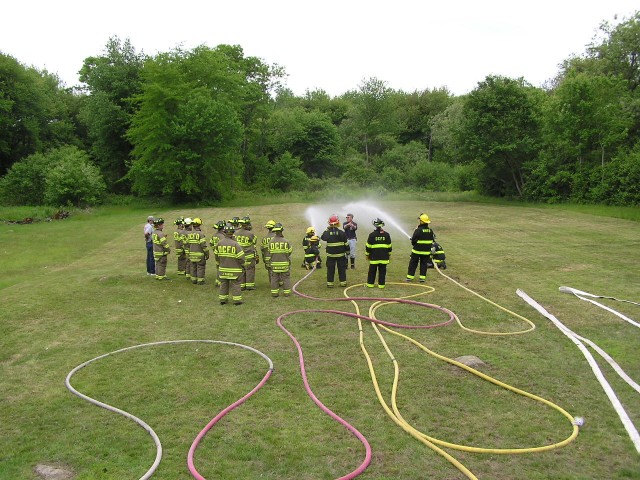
{"x": 202, "y": 124}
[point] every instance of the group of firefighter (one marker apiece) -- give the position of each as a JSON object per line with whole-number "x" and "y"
{"x": 236, "y": 252}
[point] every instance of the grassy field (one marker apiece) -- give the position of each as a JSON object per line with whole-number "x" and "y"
{"x": 76, "y": 288}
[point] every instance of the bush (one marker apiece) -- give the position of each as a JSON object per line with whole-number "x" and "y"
{"x": 25, "y": 181}
{"x": 355, "y": 171}
{"x": 286, "y": 174}
{"x": 433, "y": 176}
{"x": 392, "y": 178}
{"x": 465, "y": 177}
{"x": 61, "y": 177}
{"x": 74, "y": 181}
{"x": 619, "y": 182}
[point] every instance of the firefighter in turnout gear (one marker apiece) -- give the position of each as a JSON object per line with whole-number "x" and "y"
{"x": 215, "y": 238}
{"x": 378, "y": 252}
{"x": 160, "y": 249}
{"x": 279, "y": 257}
{"x": 264, "y": 246}
{"x": 247, "y": 240}
{"x": 188, "y": 228}
{"x": 421, "y": 241}
{"x": 312, "y": 256}
{"x": 230, "y": 256}
{"x": 312, "y": 253}
{"x": 437, "y": 256}
{"x": 198, "y": 253}
{"x": 337, "y": 248}
{"x": 178, "y": 241}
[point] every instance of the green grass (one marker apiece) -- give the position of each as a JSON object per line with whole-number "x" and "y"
{"x": 74, "y": 289}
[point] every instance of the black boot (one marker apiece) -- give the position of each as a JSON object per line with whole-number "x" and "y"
{"x": 353, "y": 263}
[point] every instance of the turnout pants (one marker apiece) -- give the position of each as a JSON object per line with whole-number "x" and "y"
{"x": 230, "y": 287}
{"x": 381, "y": 270}
{"x": 182, "y": 261}
{"x": 248, "y": 281}
{"x": 341, "y": 264}
{"x": 161, "y": 267}
{"x": 413, "y": 264}
{"x": 198, "y": 270}
{"x": 281, "y": 278}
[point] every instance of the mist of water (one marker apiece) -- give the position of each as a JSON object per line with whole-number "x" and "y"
{"x": 363, "y": 212}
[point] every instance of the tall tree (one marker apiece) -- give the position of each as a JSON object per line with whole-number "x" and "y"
{"x": 371, "y": 117}
{"x": 501, "y": 130}
{"x": 112, "y": 80}
{"x": 309, "y": 136}
{"x": 34, "y": 112}
{"x": 416, "y": 112}
{"x": 189, "y": 127}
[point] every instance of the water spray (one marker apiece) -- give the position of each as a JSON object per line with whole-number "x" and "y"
{"x": 364, "y": 212}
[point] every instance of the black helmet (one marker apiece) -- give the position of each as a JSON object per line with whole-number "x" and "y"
{"x": 220, "y": 224}
{"x": 158, "y": 221}
{"x": 378, "y": 222}
{"x": 277, "y": 227}
{"x": 229, "y": 229}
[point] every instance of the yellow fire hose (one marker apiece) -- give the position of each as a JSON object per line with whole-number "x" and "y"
{"x": 434, "y": 443}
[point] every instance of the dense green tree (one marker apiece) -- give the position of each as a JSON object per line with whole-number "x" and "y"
{"x": 286, "y": 174}
{"x": 501, "y": 130}
{"x": 371, "y": 124}
{"x": 445, "y": 128}
{"x": 415, "y": 114}
{"x": 188, "y": 131}
{"x": 587, "y": 117}
{"x": 112, "y": 80}
{"x": 34, "y": 112}
{"x": 309, "y": 136}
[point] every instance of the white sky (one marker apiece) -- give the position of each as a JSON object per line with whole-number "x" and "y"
{"x": 331, "y": 44}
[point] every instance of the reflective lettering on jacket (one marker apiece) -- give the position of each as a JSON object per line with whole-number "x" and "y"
{"x": 337, "y": 244}
{"x": 422, "y": 239}
{"x": 378, "y": 247}
{"x": 230, "y": 257}
{"x": 198, "y": 248}
{"x": 279, "y": 254}
{"x": 247, "y": 241}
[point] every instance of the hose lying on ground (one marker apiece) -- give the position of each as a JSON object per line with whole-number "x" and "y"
{"x": 144, "y": 425}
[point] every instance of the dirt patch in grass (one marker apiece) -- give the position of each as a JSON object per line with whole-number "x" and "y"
{"x": 54, "y": 472}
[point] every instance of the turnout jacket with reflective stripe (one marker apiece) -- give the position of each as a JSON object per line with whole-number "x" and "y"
{"x": 422, "y": 239}
{"x": 279, "y": 254}
{"x": 198, "y": 248}
{"x": 247, "y": 239}
{"x": 160, "y": 244}
{"x": 264, "y": 245}
{"x": 230, "y": 257}
{"x": 336, "y": 239}
{"x": 179, "y": 237}
{"x": 378, "y": 247}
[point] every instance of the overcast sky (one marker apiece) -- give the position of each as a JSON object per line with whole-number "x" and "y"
{"x": 331, "y": 45}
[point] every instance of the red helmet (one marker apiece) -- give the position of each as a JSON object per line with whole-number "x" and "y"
{"x": 333, "y": 220}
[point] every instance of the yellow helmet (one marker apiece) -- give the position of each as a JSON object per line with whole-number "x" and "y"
{"x": 424, "y": 218}
{"x": 270, "y": 224}
{"x": 311, "y": 230}
{"x": 314, "y": 239}
{"x": 197, "y": 221}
